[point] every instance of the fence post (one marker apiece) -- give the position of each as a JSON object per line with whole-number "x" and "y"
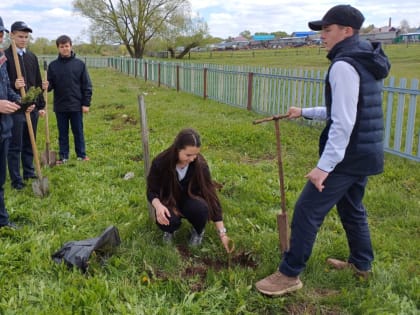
{"x": 145, "y": 71}
{"x": 205, "y": 83}
{"x": 145, "y": 141}
{"x": 159, "y": 74}
{"x": 177, "y": 78}
{"x": 250, "y": 81}
{"x": 135, "y": 67}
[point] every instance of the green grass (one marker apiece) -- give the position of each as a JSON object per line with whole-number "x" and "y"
{"x": 146, "y": 277}
{"x": 405, "y": 60}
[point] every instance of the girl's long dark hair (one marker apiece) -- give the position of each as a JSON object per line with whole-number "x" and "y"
{"x": 201, "y": 185}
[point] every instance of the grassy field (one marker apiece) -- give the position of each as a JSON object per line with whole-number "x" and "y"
{"x": 146, "y": 277}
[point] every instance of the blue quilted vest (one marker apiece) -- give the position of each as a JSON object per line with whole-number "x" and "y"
{"x": 364, "y": 154}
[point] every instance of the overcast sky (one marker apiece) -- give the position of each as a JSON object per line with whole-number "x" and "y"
{"x": 51, "y": 18}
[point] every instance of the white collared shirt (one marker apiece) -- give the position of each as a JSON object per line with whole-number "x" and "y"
{"x": 344, "y": 81}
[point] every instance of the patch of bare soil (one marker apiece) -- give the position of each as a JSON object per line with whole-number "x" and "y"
{"x": 201, "y": 265}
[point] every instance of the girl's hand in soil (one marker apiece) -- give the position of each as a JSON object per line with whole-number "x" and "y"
{"x": 227, "y": 243}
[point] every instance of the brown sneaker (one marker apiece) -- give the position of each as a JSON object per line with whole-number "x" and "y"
{"x": 340, "y": 264}
{"x": 278, "y": 284}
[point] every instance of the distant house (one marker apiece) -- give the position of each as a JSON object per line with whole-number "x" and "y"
{"x": 240, "y": 39}
{"x": 263, "y": 37}
{"x": 287, "y": 41}
{"x": 384, "y": 29}
{"x": 303, "y": 34}
{"x": 384, "y": 34}
{"x": 240, "y": 42}
{"x": 258, "y": 44}
{"x": 260, "y": 41}
{"x": 413, "y": 37}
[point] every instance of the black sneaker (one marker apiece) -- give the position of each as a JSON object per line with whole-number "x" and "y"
{"x": 196, "y": 238}
{"x": 32, "y": 176}
{"x": 18, "y": 186}
{"x": 10, "y": 225}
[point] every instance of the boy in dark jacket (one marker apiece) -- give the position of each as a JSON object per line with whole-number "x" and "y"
{"x": 7, "y": 107}
{"x": 20, "y": 148}
{"x": 69, "y": 78}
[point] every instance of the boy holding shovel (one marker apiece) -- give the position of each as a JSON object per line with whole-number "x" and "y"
{"x": 20, "y": 148}
{"x": 350, "y": 146}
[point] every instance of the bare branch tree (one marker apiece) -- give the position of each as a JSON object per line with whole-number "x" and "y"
{"x": 130, "y": 22}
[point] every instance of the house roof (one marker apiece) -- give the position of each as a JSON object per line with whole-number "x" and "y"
{"x": 383, "y": 29}
{"x": 263, "y": 37}
{"x": 240, "y": 39}
{"x": 303, "y": 34}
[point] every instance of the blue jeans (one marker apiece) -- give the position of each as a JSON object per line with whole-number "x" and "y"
{"x": 20, "y": 148}
{"x": 344, "y": 191}
{"x": 4, "y": 146}
{"x": 76, "y": 122}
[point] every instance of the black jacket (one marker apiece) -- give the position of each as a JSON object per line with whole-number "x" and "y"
{"x": 159, "y": 179}
{"x": 365, "y": 152}
{"x": 69, "y": 78}
{"x": 30, "y": 71}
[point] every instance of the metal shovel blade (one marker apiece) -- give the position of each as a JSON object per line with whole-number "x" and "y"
{"x": 283, "y": 227}
{"x": 48, "y": 158}
{"x": 40, "y": 187}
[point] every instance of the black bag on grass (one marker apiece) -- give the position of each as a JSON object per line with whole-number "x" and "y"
{"x": 77, "y": 253}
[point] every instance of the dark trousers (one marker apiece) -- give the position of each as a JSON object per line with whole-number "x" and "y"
{"x": 344, "y": 191}
{"x": 194, "y": 210}
{"x": 4, "y": 146}
{"x": 20, "y": 148}
{"x": 75, "y": 119}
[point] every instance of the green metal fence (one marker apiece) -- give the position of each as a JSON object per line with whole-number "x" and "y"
{"x": 272, "y": 91}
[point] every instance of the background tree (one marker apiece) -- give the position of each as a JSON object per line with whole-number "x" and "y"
{"x": 43, "y": 46}
{"x": 184, "y": 33}
{"x": 132, "y": 23}
{"x": 247, "y": 34}
{"x": 404, "y": 26}
{"x": 280, "y": 34}
{"x": 368, "y": 29}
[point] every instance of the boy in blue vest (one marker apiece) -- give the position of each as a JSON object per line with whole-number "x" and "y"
{"x": 350, "y": 148}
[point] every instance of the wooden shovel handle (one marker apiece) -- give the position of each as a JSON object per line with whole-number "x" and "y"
{"x": 280, "y": 167}
{"x": 282, "y": 223}
{"x": 27, "y": 115}
{"x": 47, "y": 130}
{"x": 275, "y": 117}
{"x": 17, "y": 66}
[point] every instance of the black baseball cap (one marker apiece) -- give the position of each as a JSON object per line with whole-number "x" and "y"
{"x": 2, "y": 28}
{"x": 21, "y": 26}
{"x": 342, "y": 14}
